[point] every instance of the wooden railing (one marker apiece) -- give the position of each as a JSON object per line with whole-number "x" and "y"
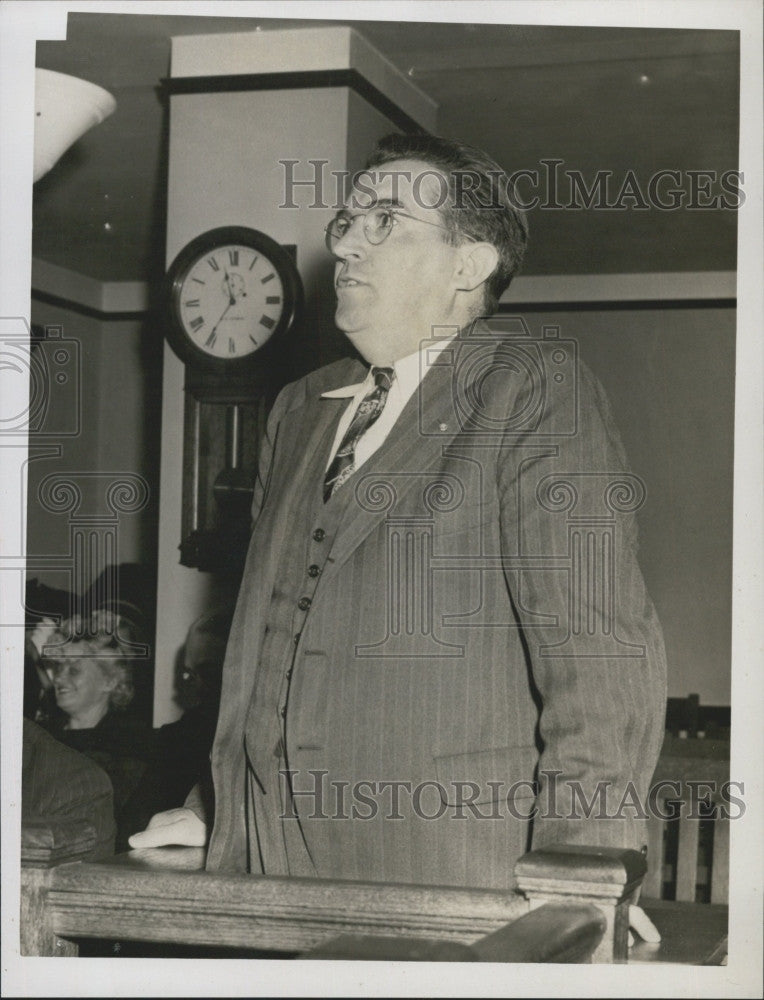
{"x": 571, "y": 905}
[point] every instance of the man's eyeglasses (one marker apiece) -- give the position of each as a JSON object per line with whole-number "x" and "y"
{"x": 377, "y": 225}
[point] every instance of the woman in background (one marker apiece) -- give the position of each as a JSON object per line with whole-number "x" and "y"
{"x": 92, "y": 677}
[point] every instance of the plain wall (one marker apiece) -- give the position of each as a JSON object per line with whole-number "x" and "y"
{"x": 670, "y": 375}
{"x": 116, "y": 390}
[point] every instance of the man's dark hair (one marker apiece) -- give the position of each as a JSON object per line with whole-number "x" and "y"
{"x": 481, "y": 203}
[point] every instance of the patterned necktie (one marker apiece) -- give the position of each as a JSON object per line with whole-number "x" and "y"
{"x": 343, "y": 464}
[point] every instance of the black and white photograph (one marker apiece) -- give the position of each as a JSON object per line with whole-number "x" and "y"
{"x": 381, "y": 440}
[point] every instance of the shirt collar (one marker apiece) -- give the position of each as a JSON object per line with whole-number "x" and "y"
{"x": 412, "y": 368}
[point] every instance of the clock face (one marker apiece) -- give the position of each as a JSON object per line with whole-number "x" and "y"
{"x": 231, "y": 301}
{"x": 232, "y": 291}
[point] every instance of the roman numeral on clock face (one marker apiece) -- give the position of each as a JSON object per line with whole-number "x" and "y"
{"x": 228, "y": 296}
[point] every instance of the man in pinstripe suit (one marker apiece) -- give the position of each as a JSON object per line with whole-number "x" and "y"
{"x": 450, "y": 656}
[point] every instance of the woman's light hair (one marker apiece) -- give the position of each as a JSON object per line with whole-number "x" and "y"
{"x": 102, "y": 638}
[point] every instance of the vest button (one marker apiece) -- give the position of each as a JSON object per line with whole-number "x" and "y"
{"x": 304, "y": 603}
{"x": 319, "y": 535}
{"x": 313, "y": 570}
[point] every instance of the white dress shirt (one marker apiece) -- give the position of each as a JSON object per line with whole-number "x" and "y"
{"x": 409, "y": 372}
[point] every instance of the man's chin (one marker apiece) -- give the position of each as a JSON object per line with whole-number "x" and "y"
{"x": 362, "y": 341}
{"x": 346, "y": 322}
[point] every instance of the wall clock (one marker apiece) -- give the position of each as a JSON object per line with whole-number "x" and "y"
{"x": 233, "y": 293}
{"x": 233, "y": 299}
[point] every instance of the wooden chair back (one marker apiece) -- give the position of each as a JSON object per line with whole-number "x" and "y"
{"x": 688, "y": 831}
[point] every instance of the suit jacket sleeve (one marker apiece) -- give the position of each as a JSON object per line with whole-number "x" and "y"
{"x": 593, "y": 641}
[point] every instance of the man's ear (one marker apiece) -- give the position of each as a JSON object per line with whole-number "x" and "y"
{"x": 477, "y": 262}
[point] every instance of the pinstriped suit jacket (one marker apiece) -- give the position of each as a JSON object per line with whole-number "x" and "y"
{"x": 60, "y": 784}
{"x": 480, "y": 645}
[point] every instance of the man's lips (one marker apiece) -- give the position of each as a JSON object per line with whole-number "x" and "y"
{"x": 346, "y": 281}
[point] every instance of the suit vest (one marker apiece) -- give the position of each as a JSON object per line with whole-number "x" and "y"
{"x": 301, "y": 561}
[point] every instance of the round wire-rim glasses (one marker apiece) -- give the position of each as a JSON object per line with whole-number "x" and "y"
{"x": 378, "y": 223}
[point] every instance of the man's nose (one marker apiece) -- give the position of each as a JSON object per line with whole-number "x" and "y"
{"x": 353, "y": 243}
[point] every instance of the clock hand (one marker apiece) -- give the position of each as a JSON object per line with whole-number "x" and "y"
{"x": 220, "y": 320}
{"x": 231, "y": 299}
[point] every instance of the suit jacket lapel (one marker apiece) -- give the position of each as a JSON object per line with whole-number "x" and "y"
{"x": 429, "y": 422}
{"x": 313, "y": 415}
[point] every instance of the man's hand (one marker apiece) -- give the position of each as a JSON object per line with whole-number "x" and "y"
{"x": 643, "y": 926}
{"x": 176, "y": 826}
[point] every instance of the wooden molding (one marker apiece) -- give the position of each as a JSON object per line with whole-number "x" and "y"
{"x": 162, "y": 895}
{"x": 100, "y": 299}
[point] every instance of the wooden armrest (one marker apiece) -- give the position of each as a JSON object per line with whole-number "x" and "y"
{"x": 555, "y": 932}
{"x": 552, "y": 933}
